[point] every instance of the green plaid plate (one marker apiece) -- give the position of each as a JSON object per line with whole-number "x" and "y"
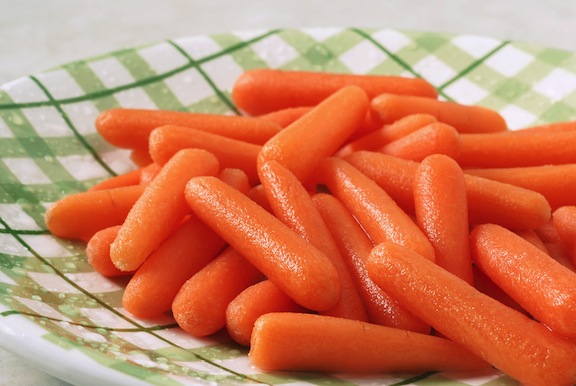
{"x": 62, "y": 316}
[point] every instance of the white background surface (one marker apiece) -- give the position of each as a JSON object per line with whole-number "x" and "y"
{"x": 38, "y": 34}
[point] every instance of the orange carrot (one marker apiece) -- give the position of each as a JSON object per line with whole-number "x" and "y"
{"x": 388, "y": 133}
{"x": 564, "y": 221}
{"x": 98, "y": 252}
{"x": 295, "y": 266}
{"x": 255, "y": 301}
{"x": 532, "y": 237}
{"x": 442, "y": 213}
{"x": 512, "y": 342}
{"x": 540, "y": 284}
{"x": 292, "y": 204}
{"x": 199, "y": 307}
{"x": 258, "y": 195}
{"x": 375, "y": 210}
{"x": 80, "y": 215}
{"x": 488, "y": 200}
{"x": 141, "y": 157}
{"x": 130, "y": 128}
{"x": 435, "y": 138}
{"x": 555, "y": 182}
{"x": 299, "y": 341}
{"x": 285, "y": 117}
{"x": 149, "y": 172}
{"x": 126, "y": 179}
{"x": 262, "y": 91}
{"x": 464, "y": 118}
{"x": 165, "y": 141}
{"x": 160, "y": 209}
{"x": 485, "y": 285}
{"x": 318, "y": 134}
{"x": 236, "y": 178}
{"x": 355, "y": 246}
{"x": 492, "y": 150}
{"x": 549, "y": 127}
{"x": 156, "y": 282}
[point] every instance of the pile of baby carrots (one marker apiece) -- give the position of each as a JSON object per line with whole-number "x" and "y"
{"x": 345, "y": 223}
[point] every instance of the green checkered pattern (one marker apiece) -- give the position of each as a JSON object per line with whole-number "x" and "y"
{"x": 49, "y": 148}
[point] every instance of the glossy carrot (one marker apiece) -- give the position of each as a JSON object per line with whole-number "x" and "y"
{"x": 80, "y": 215}
{"x": 441, "y": 205}
{"x": 292, "y": 204}
{"x": 491, "y": 150}
{"x": 262, "y": 91}
{"x": 488, "y": 200}
{"x": 166, "y": 141}
{"x": 308, "y": 342}
{"x": 258, "y": 195}
{"x": 355, "y": 246}
{"x": 285, "y": 117}
{"x": 295, "y": 266}
{"x": 126, "y": 179}
{"x": 130, "y": 128}
{"x": 512, "y": 342}
{"x": 141, "y": 157}
{"x": 540, "y": 284}
{"x": 257, "y": 300}
{"x": 435, "y": 138}
{"x": 200, "y": 305}
{"x": 555, "y": 182}
{"x": 485, "y": 285}
{"x": 318, "y": 134}
{"x": 564, "y": 221}
{"x": 152, "y": 289}
{"x": 464, "y": 118}
{"x": 532, "y": 237}
{"x": 387, "y": 133}
{"x": 98, "y": 252}
{"x": 375, "y": 210}
{"x": 149, "y": 172}
{"x": 160, "y": 208}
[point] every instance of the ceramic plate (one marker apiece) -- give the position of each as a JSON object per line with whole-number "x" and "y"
{"x": 60, "y": 315}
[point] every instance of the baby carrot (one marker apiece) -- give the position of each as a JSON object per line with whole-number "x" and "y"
{"x": 285, "y": 117}
{"x": 488, "y": 201}
{"x": 491, "y": 150}
{"x": 319, "y": 133}
{"x": 387, "y": 133}
{"x": 355, "y": 246}
{"x": 126, "y": 179}
{"x": 149, "y": 172}
{"x": 308, "y": 342}
{"x": 512, "y": 342}
{"x": 130, "y": 128}
{"x": 540, "y": 284}
{"x": 292, "y": 204}
{"x": 564, "y": 222}
{"x": 261, "y": 91}
{"x": 80, "y": 215}
{"x": 160, "y": 208}
{"x": 435, "y": 138}
{"x": 152, "y": 289}
{"x": 485, "y": 285}
{"x": 98, "y": 252}
{"x": 165, "y": 141}
{"x": 258, "y": 195}
{"x": 375, "y": 210}
{"x": 464, "y": 118}
{"x": 555, "y": 182}
{"x": 296, "y": 267}
{"x": 258, "y": 299}
{"x": 442, "y": 213}
{"x": 140, "y": 157}
{"x": 199, "y": 307}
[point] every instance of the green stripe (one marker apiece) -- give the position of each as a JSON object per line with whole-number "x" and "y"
{"x": 79, "y": 137}
{"x": 140, "y": 83}
{"x": 415, "y": 378}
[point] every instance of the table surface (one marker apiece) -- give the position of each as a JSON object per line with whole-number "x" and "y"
{"x": 36, "y": 35}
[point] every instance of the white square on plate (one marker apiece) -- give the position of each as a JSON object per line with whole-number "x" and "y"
{"x": 434, "y": 70}
{"x": 320, "y": 34}
{"x": 465, "y": 92}
{"x": 163, "y": 57}
{"x": 60, "y": 84}
{"x": 509, "y": 61}
{"x": 135, "y": 98}
{"x": 46, "y": 246}
{"x": 27, "y": 171}
{"x": 363, "y": 57}
{"x": 189, "y": 87}
{"x": 53, "y": 282}
{"x": 93, "y": 282}
{"x": 475, "y": 46}
{"x": 198, "y": 47}
{"x": 274, "y": 51}
{"x": 17, "y": 218}
{"x": 111, "y": 72}
{"x": 9, "y": 245}
{"x": 82, "y": 167}
{"x": 24, "y": 90}
{"x": 223, "y": 71}
{"x": 392, "y": 40}
{"x": 516, "y": 117}
{"x": 42, "y": 308}
{"x": 47, "y": 121}
{"x": 557, "y": 85}
{"x": 82, "y": 115}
